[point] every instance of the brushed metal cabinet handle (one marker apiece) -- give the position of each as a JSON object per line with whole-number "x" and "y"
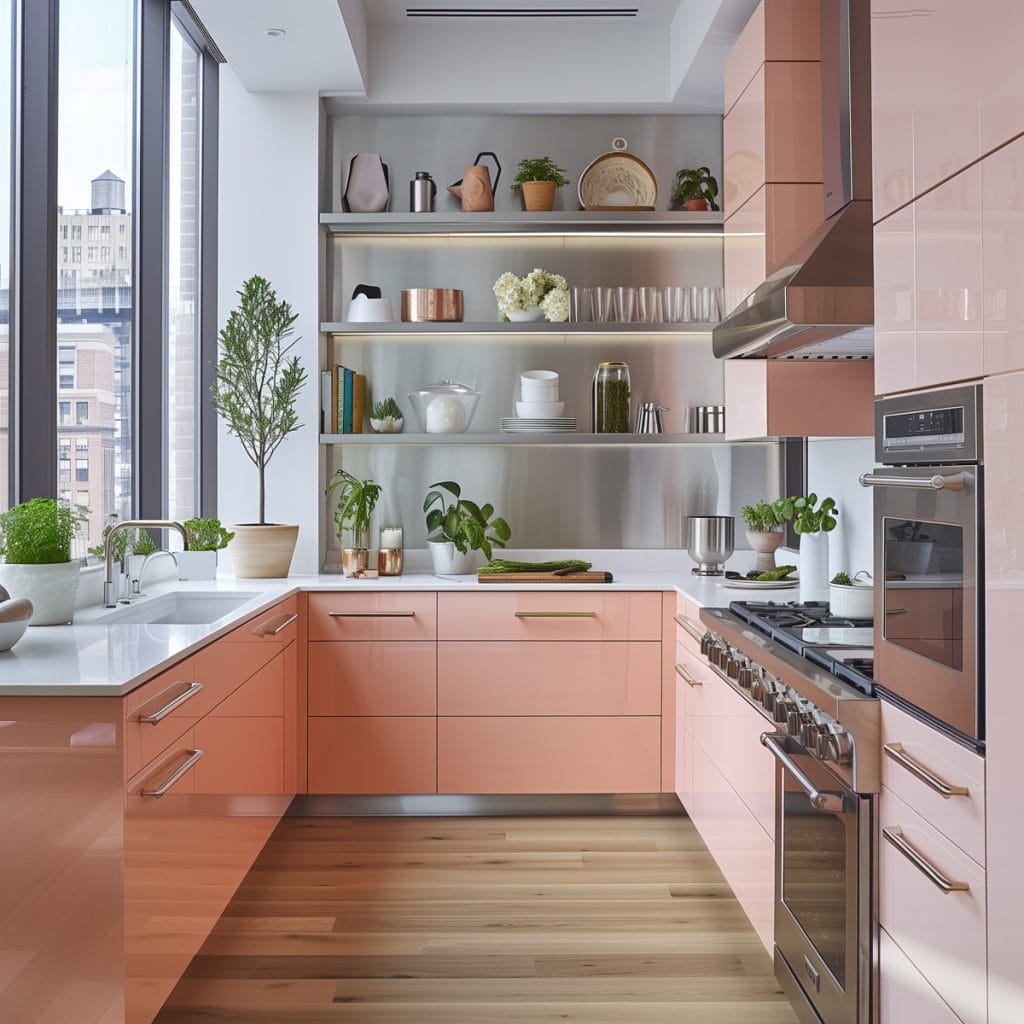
{"x": 894, "y": 836}
{"x": 263, "y": 629}
{"x": 372, "y": 615}
{"x": 896, "y": 611}
{"x": 895, "y": 752}
{"x": 955, "y": 482}
{"x": 686, "y": 677}
{"x": 685, "y": 623}
{"x": 556, "y": 615}
{"x": 182, "y": 769}
{"x": 187, "y": 694}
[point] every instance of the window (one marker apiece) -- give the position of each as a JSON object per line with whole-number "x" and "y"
{"x": 95, "y": 165}
{"x": 65, "y": 367}
{"x": 81, "y": 444}
{"x": 64, "y": 412}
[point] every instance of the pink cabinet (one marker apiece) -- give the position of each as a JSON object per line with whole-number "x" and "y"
{"x": 373, "y": 615}
{"x": 895, "y": 312}
{"x": 905, "y": 997}
{"x": 1002, "y": 82}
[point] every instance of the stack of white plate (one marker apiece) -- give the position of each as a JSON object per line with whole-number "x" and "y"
{"x": 552, "y": 425}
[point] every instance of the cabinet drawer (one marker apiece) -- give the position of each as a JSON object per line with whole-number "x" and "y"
{"x": 365, "y": 678}
{"x": 532, "y": 615}
{"x": 588, "y": 678}
{"x": 373, "y": 616}
{"x": 921, "y": 765}
{"x": 372, "y": 755}
{"x": 904, "y": 995}
{"x": 689, "y": 631}
{"x": 943, "y": 934}
{"x": 241, "y": 757}
{"x": 549, "y": 755}
{"x": 275, "y": 628}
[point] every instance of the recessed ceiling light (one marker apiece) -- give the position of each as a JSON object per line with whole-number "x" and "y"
{"x": 276, "y": 33}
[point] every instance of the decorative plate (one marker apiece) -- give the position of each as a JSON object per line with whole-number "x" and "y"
{"x": 617, "y": 181}
{"x": 758, "y": 584}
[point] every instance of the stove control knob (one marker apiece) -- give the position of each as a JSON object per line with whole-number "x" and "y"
{"x": 772, "y": 690}
{"x": 734, "y": 665}
{"x": 712, "y": 651}
{"x": 834, "y": 745}
{"x": 809, "y": 733}
{"x": 757, "y": 688}
{"x": 745, "y": 676}
{"x": 707, "y": 641}
{"x": 782, "y": 708}
{"x": 796, "y": 717}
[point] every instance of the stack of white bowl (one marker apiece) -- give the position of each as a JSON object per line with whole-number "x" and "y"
{"x": 540, "y": 395}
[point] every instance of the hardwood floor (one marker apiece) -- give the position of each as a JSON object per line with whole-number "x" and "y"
{"x": 472, "y": 920}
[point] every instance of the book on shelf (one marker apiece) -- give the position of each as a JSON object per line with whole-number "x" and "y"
{"x": 343, "y": 406}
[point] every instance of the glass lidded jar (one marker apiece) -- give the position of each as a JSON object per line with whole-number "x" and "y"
{"x": 610, "y": 400}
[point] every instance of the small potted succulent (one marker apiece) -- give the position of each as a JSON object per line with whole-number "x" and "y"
{"x": 386, "y": 417}
{"x": 538, "y": 179}
{"x": 812, "y": 523}
{"x": 356, "y": 502}
{"x": 461, "y": 534}
{"x": 764, "y": 533}
{"x": 35, "y": 543}
{"x": 695, "y": 189}
{"x": 205, "y": 538}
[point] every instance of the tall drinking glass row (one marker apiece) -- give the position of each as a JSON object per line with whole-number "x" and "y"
{"x": 629, "y": 305}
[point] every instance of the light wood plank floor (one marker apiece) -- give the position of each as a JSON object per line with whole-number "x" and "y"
{"x": 482, "y": 921}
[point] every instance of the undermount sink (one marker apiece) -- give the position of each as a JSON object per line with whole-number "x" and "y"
{"x": 180, "y": 608}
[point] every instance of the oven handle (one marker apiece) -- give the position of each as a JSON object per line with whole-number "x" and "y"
{"x": 954, "y": 482}
{"x": 823, "y": 801}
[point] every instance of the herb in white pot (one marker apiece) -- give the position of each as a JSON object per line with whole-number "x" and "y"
{"x": 461, "y": 535}
{"x": 205, "y": 538}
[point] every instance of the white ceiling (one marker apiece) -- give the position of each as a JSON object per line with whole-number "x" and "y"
{"x": 371, "y": 56}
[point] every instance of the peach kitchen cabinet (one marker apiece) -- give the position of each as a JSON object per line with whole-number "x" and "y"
{"x": 904, "y": 994}
{"x": 895, "y": 310}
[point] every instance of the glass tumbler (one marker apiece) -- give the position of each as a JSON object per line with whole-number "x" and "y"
{"x": 626, "y": 299}
{"x": 604, "y": 311}
{"x": 649, "y": 305}
{"x": 610, "y": 407}
{"x": 582, "y": 305}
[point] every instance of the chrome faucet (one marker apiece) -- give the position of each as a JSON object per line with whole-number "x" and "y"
{"x": 109, "y": 599}
{"x": 136, "y": 584}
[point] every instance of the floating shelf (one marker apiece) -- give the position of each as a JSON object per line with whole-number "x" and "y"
{"x": 547, "y": 440}
{"x": 493, "y": 327}
{"x": 560, "y": 222}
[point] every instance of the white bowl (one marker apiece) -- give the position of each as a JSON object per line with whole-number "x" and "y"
{"x": 548, "y": 378}
{"x": 539, "y": 410}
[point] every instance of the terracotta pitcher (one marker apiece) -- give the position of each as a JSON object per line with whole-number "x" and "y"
{"x": 475, "y": 189}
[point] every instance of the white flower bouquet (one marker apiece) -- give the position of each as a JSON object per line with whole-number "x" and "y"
{"x": 538, "y": 290}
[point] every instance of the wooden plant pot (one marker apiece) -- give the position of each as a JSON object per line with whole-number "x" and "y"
{"x": 539, "y": 195}
{"x": 263, "y": 552}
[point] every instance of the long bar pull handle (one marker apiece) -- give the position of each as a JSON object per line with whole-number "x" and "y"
{"x": 686, "y": 677}
{"x": 265, "y": 629}
{"x": 556, "y": 615}
{"x": 187, "y": 694}
{"x": 954, "y": 482}
{"x": 697, "y": 634}
{"x": 186, "y": 766}
{"x": 894, "y": 836}
{"x": 895, "y": 752}
{"x": 372, "y": 615}
{"x": 897, "y": 611}
{"x": 822, "y": 801}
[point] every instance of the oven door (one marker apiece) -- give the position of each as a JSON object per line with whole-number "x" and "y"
{"x": 822, "y": 909}
{"x": 927, "y": 546}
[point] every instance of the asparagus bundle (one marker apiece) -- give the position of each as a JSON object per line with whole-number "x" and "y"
{"x": 500, "y": 565}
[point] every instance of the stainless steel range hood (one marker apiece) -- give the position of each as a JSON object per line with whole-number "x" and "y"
{"x": 820, "y": 305}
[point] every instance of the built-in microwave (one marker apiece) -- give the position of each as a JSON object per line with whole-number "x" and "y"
{"x": 928, "y": 555}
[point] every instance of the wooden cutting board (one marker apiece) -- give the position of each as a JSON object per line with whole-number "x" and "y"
{"x": 590, "y": 576}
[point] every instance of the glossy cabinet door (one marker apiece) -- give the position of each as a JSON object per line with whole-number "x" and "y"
{"x": 895, "y": 310}
{"x": 375, "y": 615}
{"x": 905, "y": 997}
{"x": 373, "y": 678}
{"x": 1002, "y": 81}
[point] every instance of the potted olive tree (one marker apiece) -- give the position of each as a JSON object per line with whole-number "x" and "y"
{"x": 356, "y": 501}
{"x": 461, "y": 535}
{"x": 205, "y": 538}
{"x": 255, "y": 391}
{"x": 35, "y": 543}
{"x": 537, "y": 180}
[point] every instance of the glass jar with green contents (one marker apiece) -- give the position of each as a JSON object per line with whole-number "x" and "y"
{"x": 610, "y": 404}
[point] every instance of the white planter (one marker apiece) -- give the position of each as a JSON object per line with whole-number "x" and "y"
{"x": 814, "y": 566}
{"x": 524, "y": 316}
{"x": 856, "y": 602}
{"x": 449, "y": 561}
{"x": 196, "y": 565}
{"x": 51, "y": 588}
{"x": 765, "y": 543}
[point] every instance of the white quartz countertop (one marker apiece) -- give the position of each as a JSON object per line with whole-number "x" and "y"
{"x": 110, "y": 659}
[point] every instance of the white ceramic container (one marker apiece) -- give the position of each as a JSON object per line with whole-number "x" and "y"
{"x": 447, "y": 560}
{"x": 50, "y": 587}
{"x": 196, "y": 565}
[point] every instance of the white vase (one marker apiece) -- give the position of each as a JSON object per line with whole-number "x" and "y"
{"x": 524, "y": 316}
{"x": 814, "y": 566}
{"x": 447, "y": 560}
{"x": 196, "y": 565}
{"x": 50, "y": 587}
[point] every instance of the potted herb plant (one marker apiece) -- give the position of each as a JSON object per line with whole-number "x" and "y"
{"x": 386, "y": 417}
{"x": 205, "y": 538}
{"x": 695, "y": 189}
{"x": 812, "y": 523}
{"x": 130, "y": 547}
{"x": 356, "y": 501}
{"x": 255, "y": 392}
{"x": 537, "y": 179}
{"x": 461, "y": 535}
{"x": 35, "y": 543}
{"x": 764, "y": 533}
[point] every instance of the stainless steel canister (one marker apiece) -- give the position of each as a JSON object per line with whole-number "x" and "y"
{"x": 422, "y": 192}
{"x": 709, "y": 542}
{"x": 707, "y": 419}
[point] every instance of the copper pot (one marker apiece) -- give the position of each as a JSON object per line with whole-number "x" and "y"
{"x": 421, "y": 305}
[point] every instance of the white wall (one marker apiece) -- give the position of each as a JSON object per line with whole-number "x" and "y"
{"x": 833, "y": 466}
{"x": 268, "y": 225}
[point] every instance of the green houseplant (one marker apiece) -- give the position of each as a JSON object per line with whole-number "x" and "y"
{"x": 695, "y": 188}
{"x": 35, "y": 544}
{"x": 538, "y": 178}
{"x": 461, "y": 534}
{"x": 386, "y": 417}
{"x": 206, "y": 536}
{"x": 764, "y": 533}
{"x": 812, "y": 522}
{"x": 356, "y": 501}
{"x": 255, "y": 392}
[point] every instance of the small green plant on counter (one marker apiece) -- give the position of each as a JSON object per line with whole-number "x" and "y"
{"x": 39, "y": 532}
{"x": 695, "y": 184}
{"x": 207, "y": 534}
{"x": 470, "y": 527}
{"x": 842, "y": 579}
{"x": 386, "y": 410}
{"x": 801, "y": 512}
{"x": 541, "y": 168}
{"x": 760, "y": 518}
{"x": 356, "y": 501}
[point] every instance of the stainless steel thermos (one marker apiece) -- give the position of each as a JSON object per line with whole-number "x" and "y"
{"x": 422, "y": 192}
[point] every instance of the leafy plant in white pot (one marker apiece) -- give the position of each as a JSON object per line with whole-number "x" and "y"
{"x": 205, "y": 538}
{"x": 764, "y": 533}
{"x": 35, "y": 543}
{"x": 461, "y": 535}
{"x": 255, "y": 392}
{"x": 813, "y": 526}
